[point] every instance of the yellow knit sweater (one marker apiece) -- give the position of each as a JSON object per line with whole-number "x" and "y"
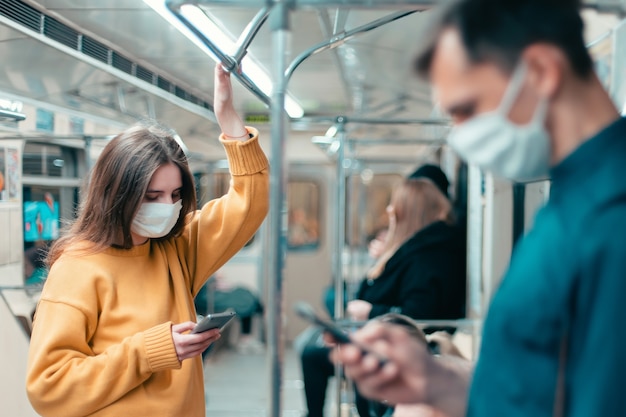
{"x": 102, "y": 342}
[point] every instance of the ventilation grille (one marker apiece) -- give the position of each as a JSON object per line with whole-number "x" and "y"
{"x": 59, "y": 32}
{"x": 144, "y": 74}
{"x": 94, "y": 49}
{"x": 36, "y": 21}
{"x": 22, "y": 14}
{"x": 163, "y": 84}
{"x": 122, "y": 63}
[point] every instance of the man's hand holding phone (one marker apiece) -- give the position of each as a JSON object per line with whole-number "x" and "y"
{"x": 338, "y": 335}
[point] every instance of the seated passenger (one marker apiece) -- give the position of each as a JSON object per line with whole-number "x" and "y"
{"x": 35, "y": 270}
{"x": 421, "y": 274}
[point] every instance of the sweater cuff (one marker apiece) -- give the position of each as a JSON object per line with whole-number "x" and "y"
{"x": 245, "y": 158}
{"x": 160, "y": 348}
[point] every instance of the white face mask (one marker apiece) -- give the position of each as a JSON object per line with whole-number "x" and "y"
{"x": 156, "y": 219}
{"x": 494, "y": 143}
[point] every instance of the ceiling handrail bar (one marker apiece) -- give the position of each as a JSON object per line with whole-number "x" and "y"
{"x": 316, "y": 4}
{"x": 232, "y": 62}
{"x": 340, "y": 38}
{"x": 328, "y": 30}
{"x": 397, "y": 141}
{"x": 249, "y": 33}
{"x": 12, "y": 115}
{"x": 604, "y": 6}
{"x": 53, "y": 137}
{"x": 227, "y": 61}
{"x": 379, "y": 121}
{"x": 326, "y": 140}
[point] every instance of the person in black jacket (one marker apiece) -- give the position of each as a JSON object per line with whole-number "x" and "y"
{"x": 420, "y": 273}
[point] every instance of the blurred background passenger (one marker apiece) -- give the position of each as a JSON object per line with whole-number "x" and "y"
{"x": 439, "y": 178}
{"x": 420, "y": 273}
{"x": 35, "y": 270}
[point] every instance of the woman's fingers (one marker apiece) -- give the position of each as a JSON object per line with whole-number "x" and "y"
{"x": 223, "y": 88}
{"x": 183, "y": 327}
{"x": 189, "y": 345}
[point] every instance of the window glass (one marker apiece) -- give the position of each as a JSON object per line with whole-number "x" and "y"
{"x": 303, "y": 199}
{"x": 48, "y": 160}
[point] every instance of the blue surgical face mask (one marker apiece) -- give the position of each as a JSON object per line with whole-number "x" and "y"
{"x": 156, "y": 219}
{"x": 495, "y": 144}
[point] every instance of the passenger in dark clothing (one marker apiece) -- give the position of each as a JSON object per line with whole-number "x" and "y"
{"x": 435, "y": 174}
{"x": 421, "y": 274}
{"x": 425, "y": 277}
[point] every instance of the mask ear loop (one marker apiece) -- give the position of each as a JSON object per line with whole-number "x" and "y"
{"x": 513, "y": 89}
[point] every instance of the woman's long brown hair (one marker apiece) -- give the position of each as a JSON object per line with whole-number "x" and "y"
{"x": 116, "y": 188}
{"x": 417, "y": 203}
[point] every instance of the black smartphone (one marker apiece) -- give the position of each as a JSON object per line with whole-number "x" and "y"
{"x": 214, "y": 321}
{"x": 307, "y": 312}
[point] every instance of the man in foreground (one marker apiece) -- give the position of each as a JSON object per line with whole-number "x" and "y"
{"x": 518, "y": 82}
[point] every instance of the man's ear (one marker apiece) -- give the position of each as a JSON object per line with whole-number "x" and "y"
{"x": 546, "y": 68}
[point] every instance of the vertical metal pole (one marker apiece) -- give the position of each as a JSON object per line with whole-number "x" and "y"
{"x": 340, "y": 238}
{"x": 278, "y": 208}
{"x": 519, "y": 211}
{"x": 340, "y": 217}
{"x": 475, "y": 213}
{"x": 88, "y": 142}
{"x": 364, "y": 261}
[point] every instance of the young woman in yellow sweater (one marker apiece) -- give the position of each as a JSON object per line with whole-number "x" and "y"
{"x": 111, "y": 333}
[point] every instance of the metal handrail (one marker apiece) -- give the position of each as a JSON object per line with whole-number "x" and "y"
{"x": 13, "y": 115}
{"x": 227, "y": 61}
{"x": 341, "y": 38}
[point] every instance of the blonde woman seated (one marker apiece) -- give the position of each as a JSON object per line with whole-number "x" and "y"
{"x": 421, "y": 274}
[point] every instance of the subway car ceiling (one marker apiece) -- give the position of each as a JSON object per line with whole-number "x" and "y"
{"x": 122, "y": 60}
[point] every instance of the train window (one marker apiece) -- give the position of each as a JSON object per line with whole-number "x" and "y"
{"x": 44, "y": 160}
{"x": 367, "y": 199}
{"x": 303, "y": 199}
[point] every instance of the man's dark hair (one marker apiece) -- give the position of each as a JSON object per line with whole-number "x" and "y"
{"x": 499, "y": 30}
